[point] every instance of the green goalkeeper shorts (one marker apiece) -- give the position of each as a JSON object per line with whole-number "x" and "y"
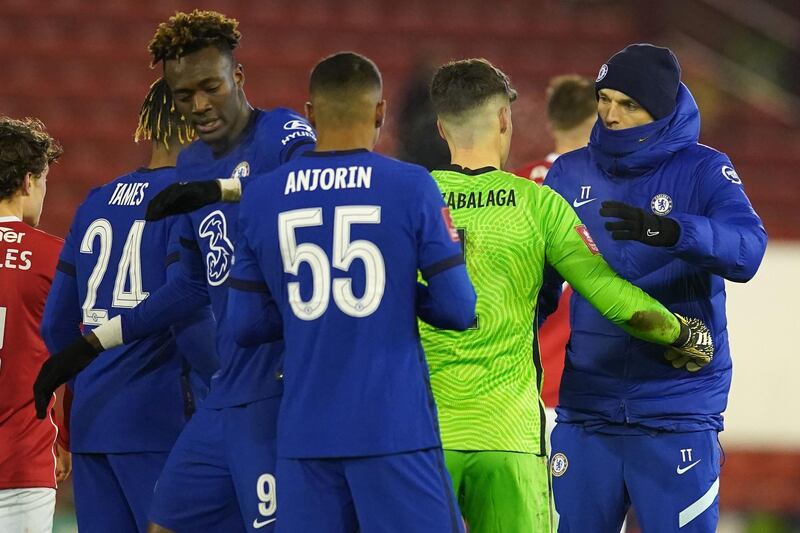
{"x": 501, "y": 492}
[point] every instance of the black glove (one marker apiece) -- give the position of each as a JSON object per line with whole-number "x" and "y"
{"x": 639, "y": 225}
{"x": 59, "y": 369}
{"x": 183, "y": 197}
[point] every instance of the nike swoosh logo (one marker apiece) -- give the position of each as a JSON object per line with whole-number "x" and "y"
{"x": 576, "y": 203}
{"x": 684, "y": 470}
{"x": 652, "y": 233}
{"x": 259, "y": 525}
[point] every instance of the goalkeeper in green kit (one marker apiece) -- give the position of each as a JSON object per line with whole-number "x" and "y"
{"x": 486, "y": 380}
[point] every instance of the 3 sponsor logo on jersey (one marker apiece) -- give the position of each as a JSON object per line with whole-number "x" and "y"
{"x": 559, "y": 464}
{"x": 219, "y": 259}
{"x": 298, "y": 128}
{"x": 242, "y": 170}
{"x": 731, "y": 175}
{"x": 661, "y": 204}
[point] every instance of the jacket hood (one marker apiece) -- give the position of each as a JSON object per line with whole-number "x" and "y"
{"x": 635, "y": 151}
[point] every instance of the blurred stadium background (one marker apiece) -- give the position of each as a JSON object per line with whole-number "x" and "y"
{"x": 82, "y": 67}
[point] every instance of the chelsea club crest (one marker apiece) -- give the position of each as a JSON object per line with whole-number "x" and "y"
{"x": 559, "y": 464}
{"x": 661, "y": 204}
{"x": 242, "y": 170}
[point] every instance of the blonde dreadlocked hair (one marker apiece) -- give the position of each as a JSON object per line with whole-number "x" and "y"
{"x": 158, "y": 119}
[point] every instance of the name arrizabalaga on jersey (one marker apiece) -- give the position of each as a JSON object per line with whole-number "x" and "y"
{"x": 474, "y": 199}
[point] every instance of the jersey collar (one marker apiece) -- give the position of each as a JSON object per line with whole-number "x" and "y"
{"x": 334, "y": 153}
{"x": 467, "y": 171}
{"x": 9, "y": 218}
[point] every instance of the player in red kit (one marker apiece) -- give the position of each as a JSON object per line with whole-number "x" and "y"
{"x": 571, "y": 113}
{"x": 31, "y": 461}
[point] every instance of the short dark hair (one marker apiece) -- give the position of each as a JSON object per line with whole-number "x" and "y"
{"x": 571, "y": 100}
{"x": 159, "y": 121}
{"x": 185, "y": 33}
{"x": 25, "y": 146}
{"x": 344, "y": 71}
{"x": 461, "y": 86}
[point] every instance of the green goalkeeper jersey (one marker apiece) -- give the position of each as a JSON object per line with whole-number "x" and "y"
{"x": 486, "y": 380}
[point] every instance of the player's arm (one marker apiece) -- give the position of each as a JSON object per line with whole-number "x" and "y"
{"x": 195, "y": 334}
{"x": 448, "y": 301}
{"x": 727, "y": 239}
{"x": 252, "y": 313}
{"x": 570, "y": 250}
{"x": 549, "y": 294}
{"x": 186, "y": 197}
{"x": 61, "y": 321}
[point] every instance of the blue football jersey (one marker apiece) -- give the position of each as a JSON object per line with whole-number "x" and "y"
{"x": 339, "y": 237}
{"x": 271, "y": 139}
{"x": 130, "y": 399}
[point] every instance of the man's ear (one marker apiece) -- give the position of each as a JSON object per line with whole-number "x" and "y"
{"x": 505, "y": 118}
{"x": 310, "y": 114}
{"x": 380, "y": 114}
{"x": 238, "y": 75}
{"x": 440, "y": 127}
{"x": 27, "y": 184}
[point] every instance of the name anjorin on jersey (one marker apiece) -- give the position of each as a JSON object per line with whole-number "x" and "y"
{"x": 490, "y": 198}
{"x": 355, "y": 177}
{"x": 128, "y": 194}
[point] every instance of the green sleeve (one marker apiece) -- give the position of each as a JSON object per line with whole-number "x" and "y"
{"x": 571, "y": 251}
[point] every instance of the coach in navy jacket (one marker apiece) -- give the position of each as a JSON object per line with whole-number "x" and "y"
{"x": 670, "y": 215}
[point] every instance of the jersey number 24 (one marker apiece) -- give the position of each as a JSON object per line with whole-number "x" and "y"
{"x": 129, "y": 270}
{"x": 344, "y": 253}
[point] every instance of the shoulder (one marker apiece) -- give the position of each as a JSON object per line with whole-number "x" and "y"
{"x": 708, "y": 165}
{"x": 281, "y": 119}
{"x": 197, "y": 150}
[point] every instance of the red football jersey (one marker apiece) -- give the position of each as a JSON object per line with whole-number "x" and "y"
{"x": 554, "y": 335}
{"x": 28, "y": 260}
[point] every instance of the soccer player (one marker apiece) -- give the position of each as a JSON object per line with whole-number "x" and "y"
{"x": 31, "y": 462}
{"x": 487, "y": 380}
{"x": 571, "y": 113}
{"x": 128, "y": 408}
{"x": 220, "y": 475}
{"x": 632, "y": 430}
{"x": 337, "y": 237}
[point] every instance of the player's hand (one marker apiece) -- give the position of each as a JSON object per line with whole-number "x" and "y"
{"x": 638, "y": 225}
{"x": 63, "y": 463}
{"x": 59, "y": 369}
{"x": 183, "y": 197}
{"x": 694, "y": 348}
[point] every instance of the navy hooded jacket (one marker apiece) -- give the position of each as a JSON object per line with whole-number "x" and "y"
{"x": 613, "y": 382}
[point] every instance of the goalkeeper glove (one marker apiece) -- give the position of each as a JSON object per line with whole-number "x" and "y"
{"x": 59, "y": 369}
{"x": 639, "y": 225}
{"x": 694, "y": 347}
{"x": 186, "y": 197}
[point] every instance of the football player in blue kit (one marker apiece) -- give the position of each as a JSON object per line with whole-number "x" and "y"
{"x": 129, "y": 407}
{"x": 328, "y": 253}
{"x": 220, "y": 475}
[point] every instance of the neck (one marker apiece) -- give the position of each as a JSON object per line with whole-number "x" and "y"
{"x": 161, "y": 156}
{"x": 345, "y": 138}
{"x": 474, "y": 157}
{"x": 11, "y": 207}
{"x": 567, "y": 141}
{"x": 236, "y": 131}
